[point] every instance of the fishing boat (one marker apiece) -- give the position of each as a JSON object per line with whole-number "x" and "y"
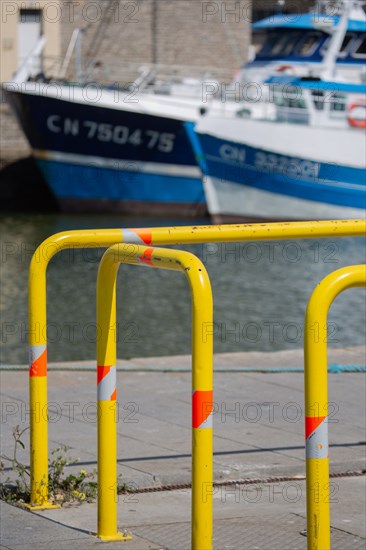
{"x": 103, "y": 150}
{"x": 307, "y": 160}
{"x": 124, "y": 147}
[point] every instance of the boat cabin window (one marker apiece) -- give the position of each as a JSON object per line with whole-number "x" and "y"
{"x": 318, "y": 98}
{"x": 290, "y": 107}
{"x": 360, "y": 50}
{"x": 243, "y": 113}
{"x": 280, "y": 44}
{"x": 337, "y": 100}
{"x": 288, "y": 99}
{"x": 268, "y": 44}
{"x": 346, "y": 41}
{"x": 309, "y": 44}
{"x": 352, "y": 44}
{"x": 258, "y": 40}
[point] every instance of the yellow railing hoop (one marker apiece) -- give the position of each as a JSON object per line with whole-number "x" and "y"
{"x": 37, "y": 317}
{"x": 316, "y": 401}
{"x": 202, "y": 385}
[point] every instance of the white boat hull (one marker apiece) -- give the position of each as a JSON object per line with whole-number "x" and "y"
{"x": 230, "y": 202}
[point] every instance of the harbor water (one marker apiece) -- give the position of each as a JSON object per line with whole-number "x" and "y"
{"x": 260, "y": 293}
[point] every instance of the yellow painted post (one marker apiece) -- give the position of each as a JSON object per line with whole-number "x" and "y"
{"x": 92, "y": 238}
{"x": 202, "y": 385}
{"x": 37, "y": 333}
{"x": 316, "y": 401}
{"x": 107, "y": 406}
{"x": 38, "y": 384}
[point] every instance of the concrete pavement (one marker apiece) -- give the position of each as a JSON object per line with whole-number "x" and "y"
{"x": 264, "y": 516}
{"x": 258, "y": 427}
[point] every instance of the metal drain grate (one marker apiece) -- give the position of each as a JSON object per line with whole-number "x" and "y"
{"x": 246, "y": 481}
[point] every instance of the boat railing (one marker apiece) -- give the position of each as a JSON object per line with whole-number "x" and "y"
{"x": 142, "y": 76}
{"x": 315, "y": 107}
{"x": 296, "y": 115}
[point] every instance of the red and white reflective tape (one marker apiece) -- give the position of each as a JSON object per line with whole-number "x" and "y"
{"x": 316, "y": 433}
{"x": 106, "y": 380}
{"x": 38, "y": 360}
{"x": 137, "y": 236}
{"x": 202, "y": 406}
{"x": 146, "y": 258}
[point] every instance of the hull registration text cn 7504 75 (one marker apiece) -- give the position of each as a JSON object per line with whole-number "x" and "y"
{"x": 108, "y": 133}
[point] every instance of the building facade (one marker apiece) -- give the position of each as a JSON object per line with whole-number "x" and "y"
{"x": 21, "y": 25}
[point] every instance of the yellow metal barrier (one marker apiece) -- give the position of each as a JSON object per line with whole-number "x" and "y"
{"x": 202, "y": 385}
{"x": 316, "y": 401}
{"x": 107, "y": 237}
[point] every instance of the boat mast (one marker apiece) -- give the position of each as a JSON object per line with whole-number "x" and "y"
{"x": 330, "y": 58}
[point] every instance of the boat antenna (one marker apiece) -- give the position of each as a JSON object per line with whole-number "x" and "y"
{"x": 338, "y": 33}
{"x": 101, "y": 30}
{"x": 280, "y": 5}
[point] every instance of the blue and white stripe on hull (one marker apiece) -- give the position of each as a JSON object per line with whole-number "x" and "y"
{"x": 87, "y": 179}
{"x": 284, "y": 175}
{"x": 315, "y": 173}
{"x": 127, "y": 165}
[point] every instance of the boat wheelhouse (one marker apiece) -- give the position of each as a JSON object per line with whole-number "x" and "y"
{"x": 298, "y": 44}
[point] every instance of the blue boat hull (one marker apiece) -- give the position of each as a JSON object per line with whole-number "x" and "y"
{"x": 99, "y": 189}
{"x": 250, "y": 181}
{"x": 97, "y": 158}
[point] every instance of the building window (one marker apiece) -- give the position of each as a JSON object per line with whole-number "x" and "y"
{"x": 30, "y": 16}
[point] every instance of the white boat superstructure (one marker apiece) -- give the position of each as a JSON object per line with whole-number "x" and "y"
{"x": 328, "y": 42}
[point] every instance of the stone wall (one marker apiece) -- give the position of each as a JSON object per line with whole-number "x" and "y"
{"x": 183, "y": 32}
{"x": 13, "y": 144}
